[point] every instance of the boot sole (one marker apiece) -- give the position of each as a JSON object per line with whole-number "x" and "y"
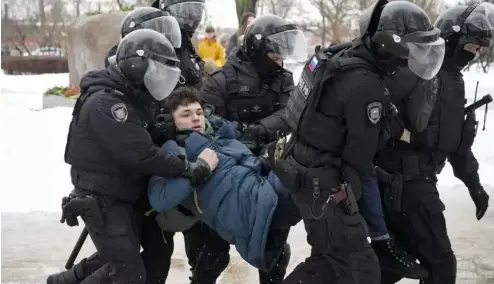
{"x": 404, "y": 274}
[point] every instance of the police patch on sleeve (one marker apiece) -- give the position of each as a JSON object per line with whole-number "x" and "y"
{"x": 119, "y": 112}
{"x": 374, "y": 112}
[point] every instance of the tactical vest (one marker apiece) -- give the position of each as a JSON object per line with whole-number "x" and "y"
{"x": 245, "y": 106}
{"x": 444, "y": 131}
{"x": 301, "y": 113}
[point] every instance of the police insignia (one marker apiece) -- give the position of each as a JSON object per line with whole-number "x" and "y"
{"x": 374, "y": 112}
{"x": 119, "y": 112}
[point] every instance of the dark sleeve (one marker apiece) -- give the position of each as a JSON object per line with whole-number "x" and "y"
{"x": 363, "y": 109}
{"x": 276, "y": 122}
{"x": 232, "y": 43}
{"x": 214, "y": 92}
{"x": 128, "y": 141}
{"x": 465, "y": 167}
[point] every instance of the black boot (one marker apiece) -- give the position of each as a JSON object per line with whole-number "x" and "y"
{"x": 395, "y": 259}
{"x": 209, "y": 266}
{"x": 65, "y": 277}
{"x": 278, "y": 272}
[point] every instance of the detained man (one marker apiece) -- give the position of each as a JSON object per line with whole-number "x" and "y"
{"x": 243, "y": 200}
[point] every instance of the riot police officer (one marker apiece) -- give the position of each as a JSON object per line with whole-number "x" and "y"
{"x": 111, "y": 154}
{"x": 155, "y": 250}
{"x": 417, "y": 216}
{"x": 188, "y": 15}
{"x": 253, "y": 88}
{"x": 335, "y": 114}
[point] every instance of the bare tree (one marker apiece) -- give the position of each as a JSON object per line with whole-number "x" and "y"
{"x": 431, "y": 7}
{"x": 243, "y": 6}
{"x": 280, "y": 8}
{"x": 334, "y": 24}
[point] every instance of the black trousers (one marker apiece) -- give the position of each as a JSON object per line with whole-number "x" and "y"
{"x": 340, "y": 251}
{"x": 421, "y": 229}
{"x": 157, "y": 246}
{"x": 215, "y": 257}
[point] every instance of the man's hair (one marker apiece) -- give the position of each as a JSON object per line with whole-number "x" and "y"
{"x": 182, "y": 96}
{"x": 210, "y": 29}
{"x": 245, "y": 16}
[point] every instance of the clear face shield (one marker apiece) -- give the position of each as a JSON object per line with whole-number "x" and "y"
{"x": 188, "y": 14}
{"x": 480, "y": 22}
{"x": 167, "y": 26}
{"x": 424, "y": 51}
{"x": 288, "y": 45}
{"x": 161, "y": 77}
{"x": 482, "y": 17}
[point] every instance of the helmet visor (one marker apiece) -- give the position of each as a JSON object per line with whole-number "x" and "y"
{"x": 167, "y": 26}
{"x": 425, "y": 59}
{"x": 482, "y": 17}
{"x": 160, "y": 79}
{"x": 290, "y": 45}
{"x": 188, "y": 14}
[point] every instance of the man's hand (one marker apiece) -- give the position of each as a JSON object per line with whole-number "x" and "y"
{"x": 481, "y": 200}
{"x": 210, "y": 157}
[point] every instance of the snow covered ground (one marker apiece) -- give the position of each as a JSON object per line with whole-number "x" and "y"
{"x": 33, "y": 178}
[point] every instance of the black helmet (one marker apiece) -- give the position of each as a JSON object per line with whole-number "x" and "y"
{"x": 147, "y": 58}
{"x": 404, "y": 33}
{"x": 187, "y": 12}
{"x": 462, "y": 24}
{"x": 153, "y": 19}
{"x": 272, "y": 33}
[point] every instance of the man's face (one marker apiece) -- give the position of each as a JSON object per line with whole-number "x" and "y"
{"x": 276, "y": 58}
{"x": 190, "y": 116}
{"x": 473, "y": 48}
{"x": 210, "y": 35}
{"x": 249, "y": 20}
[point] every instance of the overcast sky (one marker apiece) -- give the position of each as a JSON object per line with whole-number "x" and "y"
{"x": 223, "y": 12}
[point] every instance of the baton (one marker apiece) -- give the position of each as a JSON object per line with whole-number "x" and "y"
{"x": 483, "y": 101}
{"x": 76, "y": 249}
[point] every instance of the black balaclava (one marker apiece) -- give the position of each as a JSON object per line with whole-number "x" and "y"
{"x": 266, "y": 67}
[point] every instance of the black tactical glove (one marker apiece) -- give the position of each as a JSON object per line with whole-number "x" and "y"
{"x": 162, "y": 129}
{"x": 198, "y": 172}
{"x": 69, "y": 215}
{"x": 253, "y": 134}
{"x": 481, "y": 200}
{"x": 267, "y": 157}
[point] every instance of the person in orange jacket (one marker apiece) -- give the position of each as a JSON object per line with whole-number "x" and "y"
{"x": 211, "y": 48}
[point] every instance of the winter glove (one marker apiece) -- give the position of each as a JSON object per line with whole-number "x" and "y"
{"x": 481, "y": 200}
{"x": 198, "y": 172}
{"x": 252, "y": 136}
{"x": 69, "y": 215}
{"x": 267, "y": 157}
{"x": 162, "y": 129}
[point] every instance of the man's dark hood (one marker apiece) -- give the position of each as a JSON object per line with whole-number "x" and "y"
{"x": 104, "y": 79}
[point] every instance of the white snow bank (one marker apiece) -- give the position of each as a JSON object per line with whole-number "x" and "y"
{"x": 27, "y": 91}
{"x": 33, "y": 174}
{"x": 32, "y": 83}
